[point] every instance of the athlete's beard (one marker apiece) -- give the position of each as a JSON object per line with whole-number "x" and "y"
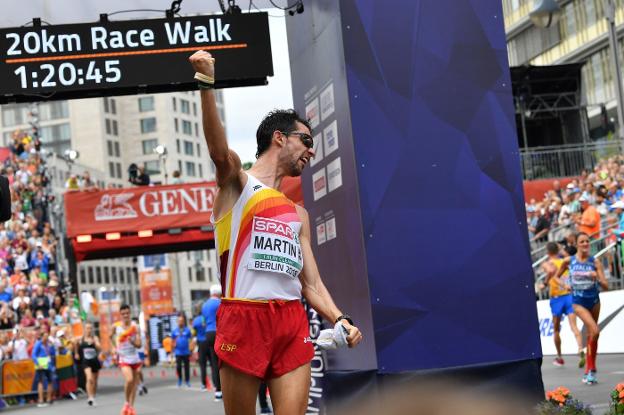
{"x": 294, "y": 169}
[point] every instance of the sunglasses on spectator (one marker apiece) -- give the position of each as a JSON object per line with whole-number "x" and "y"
{"x": 306, "y": 139}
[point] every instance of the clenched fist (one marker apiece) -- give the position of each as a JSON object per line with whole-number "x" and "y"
{"x": 203, "y": 62}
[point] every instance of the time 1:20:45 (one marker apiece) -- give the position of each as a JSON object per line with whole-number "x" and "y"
{"x": 67, "y": 74}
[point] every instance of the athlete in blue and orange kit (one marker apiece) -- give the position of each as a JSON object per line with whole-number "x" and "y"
{"x": 560, "y": 302}
{"x": 586, "y": 274}
{"x": 266, "y": 262}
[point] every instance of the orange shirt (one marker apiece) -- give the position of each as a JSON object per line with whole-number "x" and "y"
{"x": 590, "y": 215}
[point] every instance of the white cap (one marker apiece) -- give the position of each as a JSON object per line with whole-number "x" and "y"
{"x": 584, "y": 198}
{"x": 618, "y": 205}
{"x": 215, "y": 289}
{"x": 60, "y": 333}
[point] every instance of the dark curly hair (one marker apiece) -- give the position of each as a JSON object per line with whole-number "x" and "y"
{"x": 276, "y": 120}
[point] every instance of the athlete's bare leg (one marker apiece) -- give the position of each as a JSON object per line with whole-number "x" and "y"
{"x": 129, "y": 379}
{"x": 289, "y": 392}
{"x": 135, "y": 384}
{"x": 576, "y": 331}
{"x": 239, "y": 391}
{"x": 90, "y": 382}
{"x": 556, "y": 334}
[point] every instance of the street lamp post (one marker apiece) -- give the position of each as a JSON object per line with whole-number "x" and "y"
{"x": 609, "y": 6}
{"x": 161, "y": 150}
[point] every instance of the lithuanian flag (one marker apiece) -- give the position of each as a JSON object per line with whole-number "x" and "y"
{"x": 66, "y": 374}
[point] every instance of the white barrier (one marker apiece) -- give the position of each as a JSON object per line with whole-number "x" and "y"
{"x": 611, "y": 322}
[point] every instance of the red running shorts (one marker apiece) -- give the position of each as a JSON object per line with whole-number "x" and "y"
{"x": 261, "y": 338}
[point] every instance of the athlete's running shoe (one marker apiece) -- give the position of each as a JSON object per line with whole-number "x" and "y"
{"x": 581, "y": 363}
{"x": 558, "y": 362}
{"x": 591, "y": 378}
{"x": 179, "y": 383}
{"x": 144, "y": 389}
{"x": 131, "y": 410}
{"x": 90, "y": 402}
{"x": 218, "y": 396}
{"x": 126, "y": 409}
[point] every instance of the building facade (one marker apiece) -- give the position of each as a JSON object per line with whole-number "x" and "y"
{"x": 581, "y": 35}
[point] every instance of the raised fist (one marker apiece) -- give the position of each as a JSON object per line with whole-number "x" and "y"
{"x": 203, "y": 62}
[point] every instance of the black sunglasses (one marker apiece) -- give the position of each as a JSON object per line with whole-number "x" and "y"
{"x": 306, "y": 139}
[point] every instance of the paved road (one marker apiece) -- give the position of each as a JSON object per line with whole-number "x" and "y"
{"x": 165, "y": 398}
{"x": 610, "y": 372}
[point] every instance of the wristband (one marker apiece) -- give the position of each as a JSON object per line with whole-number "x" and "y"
{"x": 344, "y": 317}
{"x": 204, "y": 78}
{"x": 204, "y": 85}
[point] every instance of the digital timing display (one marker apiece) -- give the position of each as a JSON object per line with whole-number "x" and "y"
{"x": 128, "y": 57}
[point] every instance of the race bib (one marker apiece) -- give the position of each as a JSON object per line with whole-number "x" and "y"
{"x": 90, "y": 353}
{"x": 275, "y": 247}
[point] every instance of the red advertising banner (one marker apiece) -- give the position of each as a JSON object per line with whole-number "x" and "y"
{"x": 156, "y": 292}
{"x": 139, "y": 208}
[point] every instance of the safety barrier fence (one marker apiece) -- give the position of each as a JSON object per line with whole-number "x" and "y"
{"x": 566, "y": 160}
{"x": 17, "y": 377}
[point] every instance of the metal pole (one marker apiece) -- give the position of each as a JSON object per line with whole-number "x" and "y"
{"x": 609, "y": 6}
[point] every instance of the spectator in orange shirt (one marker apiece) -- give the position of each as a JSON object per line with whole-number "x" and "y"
{"x": 590, "y": 219}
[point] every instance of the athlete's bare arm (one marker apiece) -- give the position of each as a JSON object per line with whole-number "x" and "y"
{"x": 549, "y": 269}
{"x": 602, "y": 280}
{"x": 229, "y": 168}
{"x": 562, "y": 269}
{"x": 313, "y": 289}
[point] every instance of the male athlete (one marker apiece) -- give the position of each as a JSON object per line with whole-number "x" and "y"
{"x": 266, "y": 262}
{"x": 561, "y": 302}
{"x": 127, "y": 341}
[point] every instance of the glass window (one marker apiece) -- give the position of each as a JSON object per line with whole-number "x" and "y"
{"x": 201, "y": 276}
{"x": 109, "y": 129}
{"x": 149, "y": 146}
{"x": 121, "y": 276}
{"x": 90, "y": 274}
{"x": 198, "y": 152}
{"x": 180, "y": 166}
{"x": 109, "y": 147}
{"x": 115, "y": 128}
{"x": 190, "y": 169}
{"x": 117, "y": 151}
{"x": 175, "y": 104}
{"x": 188, "y": 148}
{"x": 106, "y": 276}
{"x": 53, "y": 110}
{"x": 195, "y": 108}
{"x": 201, "y": 170}
{"x": 83, "y": 276}
{"x": 152, "y": 167}
{"x": 146, "y": 104}
{"x": 178, "y": 145}
{"x": 570, "y": 19}
{"x": 190, "y": 274}
{"x": 113, "y": 106}
{"x": 590, "y": 12}
{"x": 118, "y": 169}
{"x": 55, "y": 133}
{"x": 111, "y": 169}
{"x": 185, "y": 106}
{"x": 187, "y": 127}
{"x": 106, "y": 106}
{"x": 114, "y": 275}
{"x": 148, "y": 125}
{"x": 98, "y": 275}
{"x": 177, "y": 126}
{"x": 196, "y": 130}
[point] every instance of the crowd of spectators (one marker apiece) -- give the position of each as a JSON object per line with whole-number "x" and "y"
{"x": 31, "y": 297}
{"x": 591, "y": 203}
